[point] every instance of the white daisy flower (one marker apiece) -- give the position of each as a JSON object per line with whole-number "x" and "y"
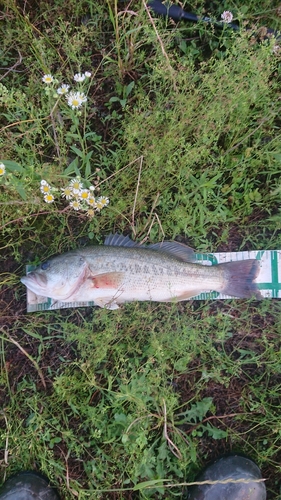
{"x": 75, "y": 204}
{"x": 227, "y": 16}
{"x": 63, "y": 89}
{"x": 84, "y": 194}
{"x": 2, "y": 169}
{"x": 76, "y": 184}
{"x": 101, "y": 202}
{"x": 43, "y": 182}
{"x": 91, "y": 201}
{"x": 49, "y": 198}
{"x": 45, "y": 188}
{"x": 79, "y": 77}
{"x": 87, "y": 74}
{"x": 91, "y": 213}
{"x": 75, "y": 99}
{"x": 48, "y": 79}
{"x": 67, "y": 192}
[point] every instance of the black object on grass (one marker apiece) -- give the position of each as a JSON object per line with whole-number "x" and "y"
{"x": 233, "y": 477}
{"x": 176, "y": 13}
{"x": 27, "y": 485}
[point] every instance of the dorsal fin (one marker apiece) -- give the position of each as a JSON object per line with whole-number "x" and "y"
{"x": 118, "y": 240}
{"x": 174, "y": 248}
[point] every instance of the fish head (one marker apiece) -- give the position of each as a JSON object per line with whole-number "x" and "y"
{"x": 59, "y": 277}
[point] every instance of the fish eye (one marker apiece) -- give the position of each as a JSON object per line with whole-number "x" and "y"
{"x": 45, "y": 265}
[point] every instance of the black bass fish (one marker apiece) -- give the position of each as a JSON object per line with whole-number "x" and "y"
{"x": 124, "y": 271}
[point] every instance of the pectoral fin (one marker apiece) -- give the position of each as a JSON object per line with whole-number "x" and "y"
{"x": 107, "y": 280}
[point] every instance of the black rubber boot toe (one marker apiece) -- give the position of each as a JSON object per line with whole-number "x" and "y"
{"x": 232, "y": 467}
{"x": 28, "y": 486}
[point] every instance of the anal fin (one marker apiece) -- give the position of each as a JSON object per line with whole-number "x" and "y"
{"x": 184, "y": 296}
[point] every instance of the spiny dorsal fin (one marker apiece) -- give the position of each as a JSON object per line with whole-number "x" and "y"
{"x": 118, "y": 240}
{"x": 174, "y": 248}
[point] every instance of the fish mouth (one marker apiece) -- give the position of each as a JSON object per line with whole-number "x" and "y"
{"x": 35, "y": 281}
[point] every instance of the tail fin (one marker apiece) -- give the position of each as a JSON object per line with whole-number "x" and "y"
{"x": 239, "y": 277}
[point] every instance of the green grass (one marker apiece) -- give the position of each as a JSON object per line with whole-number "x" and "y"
{"x": 181, "y": 131}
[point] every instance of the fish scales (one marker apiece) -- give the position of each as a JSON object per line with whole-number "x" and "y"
{"x": 148, "y": 261}
{"x": 145, "y": 279}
